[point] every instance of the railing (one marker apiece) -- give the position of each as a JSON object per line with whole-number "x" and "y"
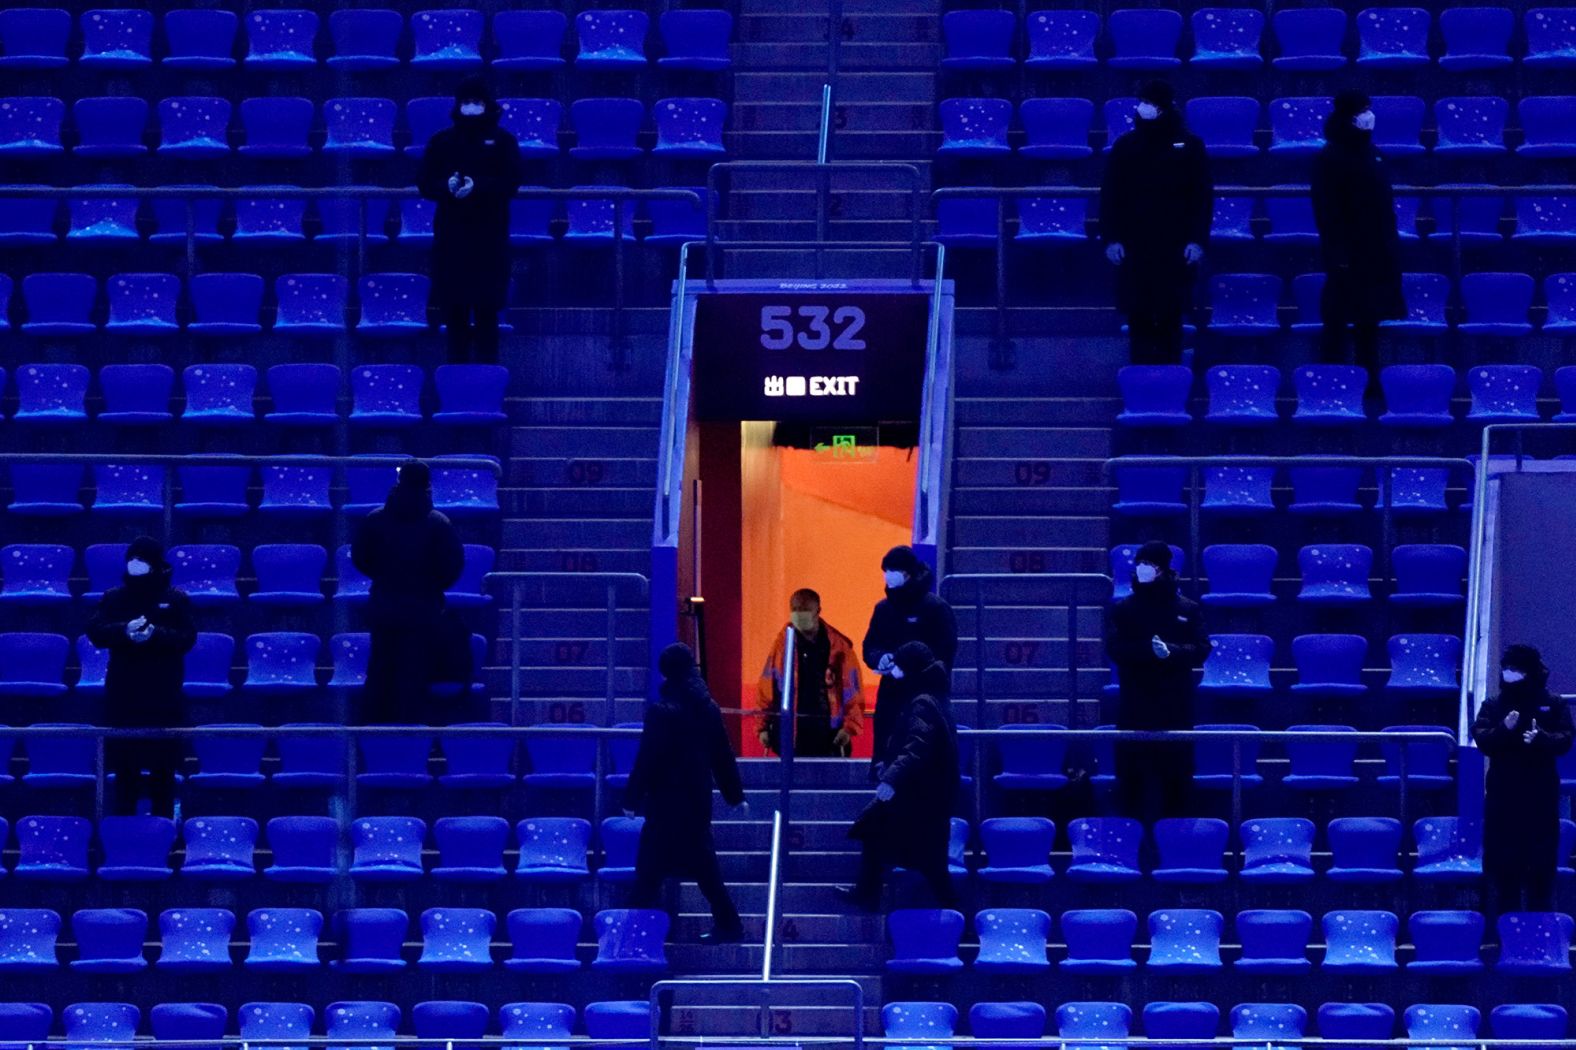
{"x": 935, "y": 417}
{"x": 787, "y": 731}
{"x": 787, "y": 1042}
{"x": 760, "y": 990}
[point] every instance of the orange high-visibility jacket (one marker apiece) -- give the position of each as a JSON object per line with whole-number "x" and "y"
{"x": 845, "y": 697}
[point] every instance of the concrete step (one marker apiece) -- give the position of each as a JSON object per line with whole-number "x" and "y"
{"x": 1020, "y": 560}
{"x": 847, "y": 118}
{"x": 1033, "y": 442}
{"x": 1037, "y": 411}
{"x": 582, "y": 560}
{"x": 584, "y": 411}
{"x": 601, "y": 502}
{"x": 1042, "y": 501}
{"x": 996, "y": 475}
{"x": 811, "y": 55}
{"x": 558, "y": 622}
{"x": 1089, "y": 531}
{"x": 795, "y": 199}
{"x": 582, "y": 473}
{"x": 579, "y": 533}
{"x": 612, "y": 442}
{"x": 909, "y": 86}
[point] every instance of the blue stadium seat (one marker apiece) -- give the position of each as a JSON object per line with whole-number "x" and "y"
{"x": 446, "y": 39}
{"x": 1149, "y": 491}
{"x": 1121, "y": 115}
{"x": 102, "y": 219}
{"x": 1528, "y": 1021}
{"x": 1548, "y": 125}
{"x": 269, "y": 219}
{"x": 208, "y": 666}
{"x": 456, "y": 940}
{"x": 553, "y": 849}
{"x": 1476, "y": 38}
{"x": 1363, "y": 850}
{"x": 1244, "y": 304}
{"x": 1504, "y": 393}
{"x": 304, "y": 848}
{"x": 361, "y": 1020}
{"x": 630, "y": 940}
{"x": 1393, "y": 37}
{"x": 695, "y": 39}
{"x": 225, "y": 304}
{"x": 219, "y": 394}
{"x": 303, "y": 395}
{"x": 398, "y": 761}
{"x": 621, "y": 752}
{"x": 1423, "y": 666}
{"x": 1478, "y": 217}
{"x": 614, "y": 39}
{"x": 1335, "y": 574}
{"x": 309, "y": 304}
{"x": 30, "y": 126}
{"x": 289, "y": 575}
{"x": 109, "y": 941}
{"x": 199, "y": 39}
{"x": 1238, "y": 492}
{"x": 229, "y": 761}
{"x": 188, "y": 1022}
{"x": 1062, "y": 39}
{"x": 1012, "y": 940}
{"x": 1321, "y": 765}
{"x": 1291, "y": 220}
{"x": 1031, "y": 764}
{"x": 1144, "y": 38}
{"x": 552, "y": 1021}
{"x": 1329, "y": 395}
{"x": 478, "y": 761}
{"x": 1274, "y": 942}
{"x": 170, "y": 217}
{"x": 1360, "y": 941}
{"x": 25, "y": 220}
{"x": 296, "y": 492}
{"x": 1212, "y": 760}
{"x": 92, "y": 667}
{"x": 445, "y": 1020}
{"x": 34, "y": 37}
{"x": 281, "y": 40}
{"x": 110, "y": 127}
{"x": 89, "y": 1023}
{"x": 359, "y": 127}
{"x": 1277, "y": 850}
{"x": 544, "y": 940}
{"x": 467, "y": 592}
{"x": 1417, "y": 395}
{"x": 105, "y": 563}
{"x": 1534, "y": 944}
{"x": 393, "y": 304}
{"x": 674, "y": 222}
{"x": 1184, "y": 1021}
{"x": 57, "y": 304}
{"x": 425, "y": 117}
{"x": 1184, "y": 941}
{"x": 195, "y": 940}
{"x": 1099, "y": 941}
{"x": 1268, "y": 1021}
{"x": 1565, "y": 376}
{"x": 605, "y": 128}
{"x": 194, "y": 127}
{"x": 1095, "y": 1021}
{"x": 364, "y": 39}
{"x": 1407, "y": 209}
{"x": 1122, "y": 558}
{"x": 975, "y": 127}
{"x": 1329, "y": 666}
{"x": 1227, "y": 38}
{"x": 1232, "y": 219}
{"x": 1238, "y": 666}
{"x": 1013, "y": 1020}
{"x": 1446, "y": 942}
{"x": 1427, "y": 295}
{"x": 1225, "y": 124}
{"x": 1017, "y": 850}
{"x": 386, "y": 395}
{"x": 968, "y": 222}
{"x": 1440, "y": 1022}
{"x": 470, "y": 849}
{"x": 1497, "y": 303}
{"x": 1191, "y": 851}
{"x": 118, "y": 38}
{"x": 924, "y": 941}
{"x": 1471, "y": 124}
{"x": 33, "y": 664}
{"x": 281, "y": 662}
{"x": 1242, "y": 395}
{"x": 1416, "y": 491}
{"x": 1551, "y": 37}
{"x": 36, "y": 574}
{"x": 919, "y": 1020}
{"x": 534, "y": 123}
{"x": 52, "y": 849}
{"x": 46, "y": 490}
{"x": 137, "y": 395}
{"x": 219, "y": 849}
{"x": 1427, "y": 575}
{"x": 1550, "y": 220}
{"x": 470, "y": 394}
{"x": 1239, "y": 575}
{"x": 620, "y": 844}
{"x": 27, "y": 945}
{"x": 274, "y": 1021}
{"x": 528, "y": 40}
{"x": 367, "y": 488}
{"x": 1050, "y": 219}
{"x": 386, "y": 849}
{"x": 276, "y": 127}
{"x": 1056, "y": 128}
{"x": 206, "y": 572}
{"x": 1297, "y": 124}
{"x": 1310, "y": 38}
{"x": 978, "y": 39}
{"x": 1104, "y": 850}
{"x": 466, "y": 492}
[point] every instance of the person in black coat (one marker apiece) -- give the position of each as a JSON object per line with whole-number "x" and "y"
{"x": 472, "y": 172}
{"x": 908, "y": 613}
{"x": 910, "y": 821}
{"x": 1155, "y": 640}
{"x": 1354, "y": 209}
{"x": 412, "y": 554}
{"x": 684, "y": 750}
{"x": 1522, "y": 732}
{"x": 1156, "y": 203}
{"x": 148, "y": 629}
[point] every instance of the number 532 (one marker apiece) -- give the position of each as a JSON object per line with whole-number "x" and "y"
{"x": 811, "y": 327}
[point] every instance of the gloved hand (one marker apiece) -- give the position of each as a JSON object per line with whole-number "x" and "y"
{"x": 467, "y": 184}
{"x": 1532, "y": 733}
{"x": 1193, "y": 254}
{"x": 885, "y": 664}
{"x": 629, "y": 813}
{"x": 139, "y": 630}
{"x": 454, "y": 183}
{"x": 841, "y": 738}
{"x": 1160, "y": 648}
{"x": 1115, "y": 253}
{"x": 1512, "y": 719}
{"x": 884, "y": 792}
{"x": 765, "y": 739}
{"x": 741, "y": 811}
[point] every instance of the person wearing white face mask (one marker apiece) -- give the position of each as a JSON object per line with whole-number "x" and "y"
{"x": 829, "y": 696}
{"x": 1156, "y": 203}
{"x": 908, "y": 613}
{"x": 1354, "y": 210}
{"x": 1522, "y": 732}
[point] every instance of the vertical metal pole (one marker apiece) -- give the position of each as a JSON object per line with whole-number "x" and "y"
{"x": 98, "y": 779}
{"x": 1193, "y": 528}
{"x": 514, "y": 656}
{"x": 612, "y": 642}
{"x": 1236, "y": 782}
{"x": 169, "y": 505}
{"x": 191, "y": 239}
{"x": 351, "y": 810}
{"x": 786, "y": 721}
{"x": 361, "y": 236}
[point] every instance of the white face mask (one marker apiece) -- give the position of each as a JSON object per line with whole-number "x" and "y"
{"x": 894, "y": 578}
{"x": 472, "y": 109}
{"x": 136, "y": 567}
{"x": 1146, "y": 573}
{"x": 1510, "y": 677}
{"x": 1148, "y": 111}
{"x": 1364, "y": 121}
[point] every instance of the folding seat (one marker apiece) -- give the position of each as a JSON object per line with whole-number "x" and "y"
{"x": 304, "y": 848}
{"x": 309, "y": 304}
{"x": 1273, "y": 942}
{"x": 1329, "y": 395}
{"x": 171, "y": 214}
{"x": 46, "y": 490}
{"x": 303, "y": 395}
{"x": 1471, "y": 124}
{"x": 52, "y": 849}
{"x": 1277, "y": 850}
{"x": 189, "y": 1022}
{"x": 289, "y": 575}
{"x": 296, "y": 491}
{"x": 274, "y": 1021}
{"x": 195, "y": 940}
{"x": 225, "y": 304}
{"x": 92, "y": 668}
{"x": 1497, "y": 305}
{"x": 553, "y": 849}
{"x": 194, "y": 127}
{"x": 1528, "y": 1021}
{"x": 1104, "y": 849}
{"x": 36, "y": 574}
{"x": 116, "y": 39}
{"x": 1291, "y": 220}
{"x": 1184, "y": 941}
{"x": 470, "y": 394}
{"x": 1548, "y": 125}
{"x": 1144, "y": 38}
{"x": 1475, "y": 217}
{"x": 229, "y": 761}
{"x": 57, "y": 304}
{"x": 270, "y": 219}
{"x": 34, "y": 37}
{"x": 1551, "y": 37}
{"x": 1475, "y": 38}
{"x": 1017, "y": 850}
{"x": 1446, "y": 942}
{"x": 1415, "y": 491}
{"x": 919, "y": 1020}
{"x": 1227, "y": 38}
{"x": 478, "y": 761}
{"x": 968, "y": 222}
{"x": 676, "y": 221}
{"x": 1356, "y": 1021}
{"x": 361, "y": 1021}
{"x": 1012, "y": 1020}
{"x": 1427, "y": 575}
{"x": 1233, "y": 220}
{"x": 1012, "y": 940}
{"x": 1062, "y": 39}
{"x": 1095, "y": 1021}
{"x": 106, "y": 219}
{"x": 343, "y": 219}
{"x": 1436, "y": 1022}
{"x": 359, "y": 127}
{"x": 1191, "y": 851}
{"x": 283, "y": 940}
{"x": 1329, "y": 666}
{"x": 529, "y": 40}
{"x": 450, "y": 1020}
{"x": 1244, "y": 304}
{"x": 1043, "y": 219}
{"x": 534, "y": 123}
{"x": 1427, "y": 295}
{"x": 978, "y": 39}
{"x": 975, "y": 127}
{"x": 281, "y": 39}
{"x": 613, "y": 39}
{"x": 110, "y": 127}
{"x": 1545, "y": 220}
{"x": 33, "y": 664}
{"x": 365, "y": 39}
{"x": 425, "y": 117}
{"x": 136, "y": 848}
{"x": 456, "y": 940}
{"x": 467, "y": 492}
{"x": 620, "y": 843}
{"x": 1319, "y": 765}
{"x": 1407, "y": 209}
{"x": 199, "y": 39}
{"x": 219, "y": 394}
{"x": 1297, "y": 124}
{"x": 1534, "y": 944}
{"x": 105, "y": 563}
{"x": 30, "y": 126}
{"x": 219, "y": 849}
{"x": 1238, "y": 666}
{"x": 1032, "y": 764}
{"x": 1364, "y": 850}
{"x": 368, "y": 487}
{"x": 1417, "y": 395}
{"x": 1360, "y": 941}
{"x": 1239, "y": 574}
{"x": 1398, "y": 131}
{"x": 61, "y": 761}
{"x": 27, "y": 945}
{"x": 1225, "y": 124}
{"x": 544, "y": 940}
{"x": 1310, "y": 38}
{"x": 1449, "y": 850}
{"x": 1335, "y": 574}
{"x": 393, "y": 304}
{"x": 281, "y": 663}
{"x": 109, "y": 940}
{"x": 1504, "y": 393}
{"x": 1149, "y": 491}
{"x": 630, "y": 940}
{"x": 372, "y": 939}
{"x": 386, "y": 761}
{"x": 698, "y": 39}
{"x": 470, "y": 849}
{"x": 87, "y": 1023}
{"x": 1423, "y": 666}
{"x": 690, "y": 127}
{"x": 386, "y": 395}
{"x": 206, "y": 573}
{"x": 25, "y": 220}
{"x": 1393, "y": 37}
{"x": 387, "y": 849}
{"x": 136, "y": 395}
{"x": 924, "y": 940}
{"x": 1268, "y": 1021}
{"x": 1242, "y": 395}
{"x": 276, "y": 126}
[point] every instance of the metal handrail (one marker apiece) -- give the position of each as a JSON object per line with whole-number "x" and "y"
{"x": 787, "y": 733}
{"x": 824, "y": 140}
{"x": 666, "y": 521}
{"x": 1279, "y": 190}
{"x": 928, "y": 410}
{"x": 235, "y": 1042}
{"x": 311, "y": 192}
{"x": 662, "y": 992}
{"x": 230, "y": 459}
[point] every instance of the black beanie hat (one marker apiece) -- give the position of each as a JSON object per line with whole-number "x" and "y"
{"x": 1524, "y": 658}
{"x": 913, "y": 657}
{"x": 415, "y": 474}
{"x": 1154, "y": 553}
{"x": 473, "y": 88}
{"x": 677, "y": 661}
{"x": 901, "y": 559}
{"x": 148, "y": 549}
{"x": 1349, "y": 103}
{"x": 1158, "y": 92}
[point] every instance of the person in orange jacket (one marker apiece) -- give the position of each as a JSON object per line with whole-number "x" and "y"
{"x": 829, "y": 698}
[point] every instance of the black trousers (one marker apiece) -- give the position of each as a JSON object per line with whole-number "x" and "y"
{"x": 473, "y": 331}
{"x": 1365, "y": 344}
{"x": 1153, "y": 780}
{"x": 1154, "y": 337}
{"x": 1526, "y": 889}
{"x": 873, "y": 865}
{"x": 702, "y": 867}
{"x": 143, "y": 769}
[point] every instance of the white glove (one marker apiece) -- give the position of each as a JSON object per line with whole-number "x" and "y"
{"x": 1531, "y": 734}
{"x": 1161, "y": 649}
{"x": 139, "y": 629}
{"x": 1512, "y": 719}
{"x": 1115, "y": 253}
{"x": 884, "y": 792}
{"x": 454, "y": 183}
{"x": 467, "y": 184}
{"x": 1193, "y": 254}
{"x": 742, "y": 810}
{"x": 885, "y": 664}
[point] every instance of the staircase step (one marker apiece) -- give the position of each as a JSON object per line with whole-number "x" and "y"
{"x": 582, "y": 473}
{"x": 997, "y": 475}
{"x": 578, "y": 533}
{"x": 1021, "y": 560}
{"x": 1091, "y": 531}
{"x": 582, "y": 560}
{"x": 1038, "y": 501}
{"x": 601, "y": 502}
{"x": 1034, "y": 442}
{"x": 586, "y": 411}
{"x": 582, "y": 442}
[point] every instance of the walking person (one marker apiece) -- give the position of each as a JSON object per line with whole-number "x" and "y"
{"x": 1354, "y": 210}
{"x": 684, "y": 750}
{"x": 829, "y": 703}
{"x": 1522, "y": 732}
{"x": 148, "y": 629}
{"x": 472, "y": 171}
{"x": 412, "y": 554}
{"x": 909, "y": 823}
{"x": 910, "y": 612}
{"x": 1156, "y": 204}
{"x": 1155, "y": 640}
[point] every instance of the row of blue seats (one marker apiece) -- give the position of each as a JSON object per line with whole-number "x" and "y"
{"x": 551, "y": 850}
{"x": 286, "y": 940}
{"x": 285, "y": 575}
{"x": 197, "y": 127}
{"x": 1188, "y": 941}
{"x": 1330, "y": 666}
{"x": 1270, "y": 1023}
{"x": 1242, "y": 575}
{"x": 299, "y": 394}
{"x": 1309, "y": 39}
{"x": 285, "y": 39}
{"x": 1320, "y": 491}
{"x": 218, "y": 490}
{"x": 1059, "y": 128}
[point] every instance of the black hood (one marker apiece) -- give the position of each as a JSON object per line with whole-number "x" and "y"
{"x": 150, "y": 550}
{"x": 474, "y": 88}
{"x": 411, "y": 497}
{"x": 903, "y": 559}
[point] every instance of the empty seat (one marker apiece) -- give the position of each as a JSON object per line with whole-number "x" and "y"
{"x": 1310, "y": 38}
{"x": 396, "y": 760}
{"x": 690, "y": 127}
{"x": 102, "y": 219}
{"x": 359, "y": 127}
{"x": 1320, "y": 765}
{"x": 1504, "y": 393}
{"x": 1291, "y": 220}
{"x": 36, "y": 574}
{"x": 27, "y": 945}
{"x": 470, "y": 849}
{"x": 304, "y": 848}
{"x": 1360, "y": 941}
{"x": 924, "y": 940}
{"x": 1528, "y": 1021}
{"x": 1244, "y": 304}
{"x": 276, "y": 126}
{"x": 386, "y": 395}
{"x": 1017, "y": 850}
{"x": 58, "y": 761}
{"x": 195, "y": 940}
{"x": 1471, "y": 125}
{"x": 208, "y": 665}
{"x": 553, "y": 849}
{"x": 293, "y": 491}
{"x": 1225, "y": 124}
{"x": 137, "y": 395}
{"x": 1062, "y": 39}
{"x": 1497, "y": 304}
{"x": 1104, "y": 849}
{"x": 1012, "y": 940}
{"x": 281, "y": 662}
{"x": 1273, "y": 941}
{"x": 109, "y": 940}
{"x": 110, "y": 127}
{"x": 289, "y": 575}
{"x": 1031, "y": 764}
{"x": 1335, "y": 574}
{"x": 1099, "y": 941}
{"x": 696, "y": 39}
{"x": 188, "y": 1022}
{"x": 387, "y": 849}
{"x": 269, "y": 219}
{"x": 219, "y": 394}
{"x": 30, "y": 126}
{"x": 274, "y": 1021}
{"x": 1415, "y": 491}
{"x": 1548, "y": 125}
{"x": 194, "y": 127}
{"x": 977, "y": 39}
{"x": 219, "y": 849}
{"x": 1475, "y": 219}
{"x": 1550, "y": 220}
{"x": 52, "y": 849}
{"x": 1446, "y": 942}
{"x": 199, "y": 39}
{"x": 1149, "y": 491}
{"x": 1238, "y": 666}
{"x": 605, "y": 128}
{"x": 1056, "y": 128}
{"x": 1268, "y": 1021}
{"x": 34, "y": 37}
{"x": 371, "y": 938}
{"x": 630, "y": 940}
{"x": 1242, "y": 395}
{"x": 1398, "y": 131}
{"x": 1184, "y": 941}
{"x": 1534, "y": 944}
{"x": 1551, "y": 37}
{"x": 33, "y": 664}
{"x": 1227, "y": 37}
{"x": 1423, "y": 666}
{"x": 1329, "y": 395}
{"x": 1427, "y": 575}
{"x": 1239, "y": 574}
{"x": 544, "y": 940}
{"x": 470, "y": 394}
{"x": 283, "y": 940}
{"x": 1191, "y": 851}
{"x": 1297, "y": 124}
{"x": 1329, "y": 666}
{"x": 1144, "y": 38}
{"x": 919, "y": 1020}
{"x": 529, "y": 40}
{"x": 535, "y": 1020}
{"x": 1417, "y": 395}
{"x": 614, "y": 39}
{"x": 364, "y": 39}
{"x": 456, "y": 940}
{"x": 225, "y": 304}
{"x": 1448, "y": 850}
{"x": 1475, "y": 38}
{"x": 1393, "y": 37}
{"x": 1364, "y": 850}
{"x": 1047, "y": 219}
{"x": 393, "y": 304}
{"x": 1277, "y": 850}
{"x": 1232, "y": 219}
{"x": 57, "y": 304}
{"x": 281, "y": 39}
{"x": 975, "y": 127}
{"x": 968, "y": 222}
